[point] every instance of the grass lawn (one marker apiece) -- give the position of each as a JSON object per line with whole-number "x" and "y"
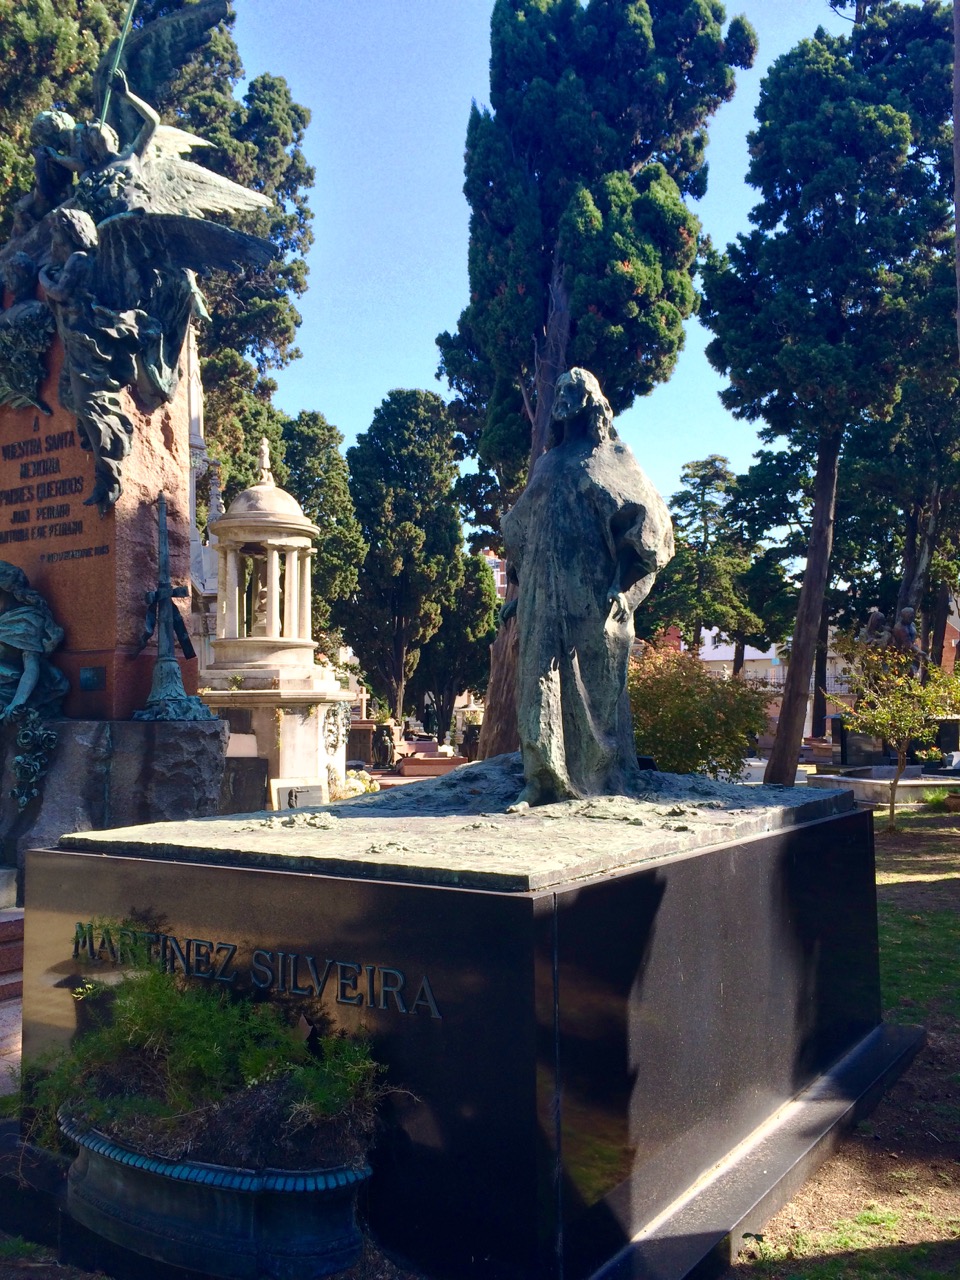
{"x": 887, "y": 1206}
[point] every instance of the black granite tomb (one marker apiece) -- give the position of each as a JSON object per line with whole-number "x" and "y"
{"x": 572, "y": 1059}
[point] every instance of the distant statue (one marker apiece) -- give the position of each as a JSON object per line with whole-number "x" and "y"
{"x": 876, "y": 631}
{"x": 904, "y": 637}
{"x": 470, "y": 743}
{"x": 383, "y": 747}
{"x": 583, "y": 544}
{"x": 28, "y": 635}
{"x": 118, "y": 222}
{"x": 904, "y": 633}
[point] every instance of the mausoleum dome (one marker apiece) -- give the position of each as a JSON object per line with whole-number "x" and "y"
{"x": 264, "y": 587}
{"x": 265, "y": 500}
{"x": 265, "y": 503}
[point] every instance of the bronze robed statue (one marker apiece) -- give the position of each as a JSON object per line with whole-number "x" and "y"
{"x": 28, "y": 636}
{"x": 115, "y": 232}
{"x": 583, "y": 543}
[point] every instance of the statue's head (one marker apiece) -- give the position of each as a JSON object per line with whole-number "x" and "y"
{"x": 98, "y": 144}
{"x": 19, "y": 274}
{"x": 73, "y": 231}
{"x": 15, "y": 591}
{"x": 14, "y": 583}
{"x": 53, "y": 129}
{"x": 907, "y": 615}
{"x": 580, "y": 408}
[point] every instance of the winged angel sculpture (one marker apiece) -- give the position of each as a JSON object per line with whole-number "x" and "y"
{"x": 115, "y": 230}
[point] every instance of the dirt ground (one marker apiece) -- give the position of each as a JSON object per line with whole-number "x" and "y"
{"x": 894, "y": 1182}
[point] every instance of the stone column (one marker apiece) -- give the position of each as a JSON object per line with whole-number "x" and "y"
{"x": 306, "y": 624}
{"x": 273, "y": 593}
{"x": 233, "y": 622}
{"x": 221, "y": 592}
{"x": 291, "y": 594}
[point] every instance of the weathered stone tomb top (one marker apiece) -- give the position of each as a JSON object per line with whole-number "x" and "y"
{"x": 457, "y": 830}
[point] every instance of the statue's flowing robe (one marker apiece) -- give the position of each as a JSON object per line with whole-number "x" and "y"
{"x": 588, "y": 521}
{"x": 23, "y": 629}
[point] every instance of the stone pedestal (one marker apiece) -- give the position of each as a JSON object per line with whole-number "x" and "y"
{"x": 94, "y": 570}
{"x": 300, "y": 722}
{"x": 584, "y": 1018}
{"x": 114, "y": 773}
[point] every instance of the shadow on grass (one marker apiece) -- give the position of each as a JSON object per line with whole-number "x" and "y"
{"x": 936, "y": 1260}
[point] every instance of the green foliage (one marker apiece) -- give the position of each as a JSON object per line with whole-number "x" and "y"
{"x": 891, "y": 701}
{"x": 458, "y": 655}
{"x": 49, "y": 53}
{"x": 689, "y": 720}
{"x": 817, "y": 311}
{"x": 16, "y": 1248}
{"x": 581, "y": 249}
{"x": 166, "y": 1048}
{"x": 401, "y": 480}
{"x": 720, "y": 577}
{"x": 935, "y": 798}
{"x": 319, "y": 480}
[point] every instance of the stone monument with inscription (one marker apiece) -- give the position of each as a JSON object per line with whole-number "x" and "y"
{"x": 100, "y": 293}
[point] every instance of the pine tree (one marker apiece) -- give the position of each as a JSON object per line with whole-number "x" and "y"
{"x": 457, "y": 657}
{"x": 811, "y": 310}
{"x": 319, "y": 480}
{"x": 581, "y": 248}
{"x": 401, "y": 480}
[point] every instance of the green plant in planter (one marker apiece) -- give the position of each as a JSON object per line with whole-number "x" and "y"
{"x": 177, "y": 1069}
{"x": 935, "y": 798}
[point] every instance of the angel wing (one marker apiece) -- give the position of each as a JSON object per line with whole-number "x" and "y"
{"x": 178, "y": 186}
{"x": 133, "y": 247}
{"x": 153, "y": 56}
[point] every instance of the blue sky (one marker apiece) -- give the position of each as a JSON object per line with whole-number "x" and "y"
{"x": 389, "y": 84}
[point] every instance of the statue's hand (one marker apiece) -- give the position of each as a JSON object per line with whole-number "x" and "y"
{"x": 119, "y": 84}
{"x": 507, "y": 611}
{"x": 617, "y": 602}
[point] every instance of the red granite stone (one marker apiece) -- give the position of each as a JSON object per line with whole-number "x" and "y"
{"x": 94, "y": 570}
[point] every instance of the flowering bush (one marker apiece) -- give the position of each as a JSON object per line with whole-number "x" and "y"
{"x": 689, "y": 720}
{"x": 356, "y": 783}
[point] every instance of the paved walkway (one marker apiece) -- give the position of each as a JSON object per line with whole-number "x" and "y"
{"x": 10, "y": 1018}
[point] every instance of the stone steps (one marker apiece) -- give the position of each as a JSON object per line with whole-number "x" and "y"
{"x": 8, "y": 888}
{"x": 11, "y": 954}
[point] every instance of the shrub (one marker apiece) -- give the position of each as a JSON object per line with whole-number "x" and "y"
{"x": 175, "y": 1068}
{"x": 689, "y": 720}
{"x": 936, "y": 799}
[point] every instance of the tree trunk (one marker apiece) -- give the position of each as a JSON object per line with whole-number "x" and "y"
{"x": 551, "y": 358}
{"x": 956, "y": 148}
{"x": 819, "y": 726}
{"x": 938, "y": 632}
{"x": 918, "y": 552}
{"x": 782, "y": 765}
{"x": 498, "y": 733}
{"x": 739, "y": 652}
{"x": 443, "y": 705}
{"x": 898, "y": 773}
